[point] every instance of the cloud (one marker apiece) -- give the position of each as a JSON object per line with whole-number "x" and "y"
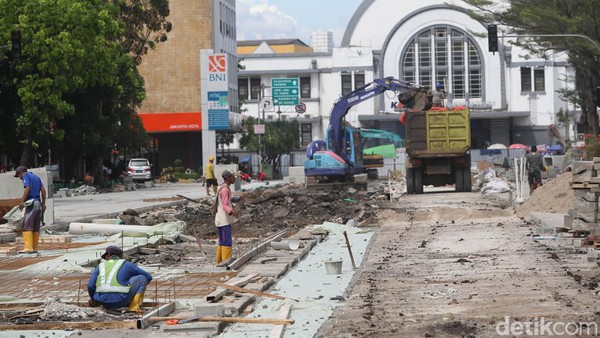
{"x": 259, "y": 20}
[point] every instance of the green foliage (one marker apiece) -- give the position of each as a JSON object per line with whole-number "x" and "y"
{"x": 592, "y": 147}
{"x": 78, "y": 72}
{"x": 178, "y": 166}
{"x": 280, "y": 137}
{"x": 537, "y": 17}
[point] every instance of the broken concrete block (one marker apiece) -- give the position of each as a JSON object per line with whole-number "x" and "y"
{"x": 586, "y": 194}
{"x": 583, "y": 176}
{"x": 582, "y": 225}
{"x": 568, "y": 221}
{"x": 209, "y": 309}
{"x": 8, "y": 251}
{"x": 581, "y": 166}
{"x": 584, "y": 209}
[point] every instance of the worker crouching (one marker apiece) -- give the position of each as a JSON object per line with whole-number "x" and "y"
{"x": 117, "y": 283}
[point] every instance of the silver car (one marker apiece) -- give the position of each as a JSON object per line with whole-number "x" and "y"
{"x": 139, "y": 169}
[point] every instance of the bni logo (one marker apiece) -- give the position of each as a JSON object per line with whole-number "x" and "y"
{"x": 217, "y": 63}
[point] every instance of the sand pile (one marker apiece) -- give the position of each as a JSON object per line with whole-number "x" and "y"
{"x": 554, "y": 196}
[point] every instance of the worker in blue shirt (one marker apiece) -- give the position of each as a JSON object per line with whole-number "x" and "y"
{"x": 117, "y": 283}
{"x": 34, "y": 201}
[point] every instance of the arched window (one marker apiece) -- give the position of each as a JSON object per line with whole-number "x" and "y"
{"x": 447, "y": 55}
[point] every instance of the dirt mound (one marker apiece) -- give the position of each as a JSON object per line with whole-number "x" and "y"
{"x": 554, "y": 196}
{"x": 266, "y": 210}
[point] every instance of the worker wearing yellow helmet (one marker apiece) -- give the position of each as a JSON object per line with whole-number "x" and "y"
{"x": 210, "y": 176}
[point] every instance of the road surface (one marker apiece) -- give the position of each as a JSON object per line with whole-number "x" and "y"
{"x": 456, "y": 265}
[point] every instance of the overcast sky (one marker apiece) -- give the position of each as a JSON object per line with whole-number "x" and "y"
{"x": 278, "y": 19}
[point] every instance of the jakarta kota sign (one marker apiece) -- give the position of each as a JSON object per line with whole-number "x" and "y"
{"x": 286, "y": 91}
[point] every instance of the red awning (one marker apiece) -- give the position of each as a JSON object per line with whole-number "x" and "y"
{"x": 171, "y": 122}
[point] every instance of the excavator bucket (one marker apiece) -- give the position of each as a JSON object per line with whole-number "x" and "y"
{"x": 420, "y": 100}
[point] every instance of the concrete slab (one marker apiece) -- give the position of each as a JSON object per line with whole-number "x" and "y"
{"x": 309, "y": 283}
{"x": 548, "y": 219}
{"x": 273, "y": 269}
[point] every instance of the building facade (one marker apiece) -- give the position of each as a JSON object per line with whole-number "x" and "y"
{"x": 512, "y": 96}
{"x": 171, "y": 113}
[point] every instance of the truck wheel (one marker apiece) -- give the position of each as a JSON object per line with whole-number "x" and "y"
{"x": 410, "y": 181}
{"x": 418, "y": 180}
{"x": 459, "y": 182}
{"x": 372, "y": 174}
{"x": 468, "y": 185}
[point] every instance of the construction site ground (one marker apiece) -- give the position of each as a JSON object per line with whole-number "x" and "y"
{"x": 441, "y": 264}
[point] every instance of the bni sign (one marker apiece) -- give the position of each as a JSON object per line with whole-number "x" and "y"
{"x": 217, "y": 70}
{"x": 216, "y": 91}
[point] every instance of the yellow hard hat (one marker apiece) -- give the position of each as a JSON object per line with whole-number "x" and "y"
{"x": 211, "y": 158}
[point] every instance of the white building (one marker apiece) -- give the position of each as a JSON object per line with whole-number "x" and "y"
{"x": 512, "y": 96}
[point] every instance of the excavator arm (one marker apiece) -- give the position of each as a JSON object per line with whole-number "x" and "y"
{"x": 411, "y": 96}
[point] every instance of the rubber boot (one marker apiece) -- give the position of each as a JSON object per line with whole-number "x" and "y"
{"x": 136, "y": 303}
{"x": 27, "y": 242}
{"x": 219, "y": 254}
{"x": 36, "y": 239}
{"x": 225, "y": 252}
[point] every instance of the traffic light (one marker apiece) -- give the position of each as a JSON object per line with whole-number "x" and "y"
{"x": 15, "y": 39}
{"x": 492, "y": 38}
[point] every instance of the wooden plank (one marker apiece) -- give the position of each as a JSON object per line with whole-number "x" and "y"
{"x": 254, "y": 292}
{"x": 229, "y": 320}
{"x": 220, "y": 292}
{"x": 70, "y": 325}
{"x": 584, "y": 185}
{"x": 284, "y": 313}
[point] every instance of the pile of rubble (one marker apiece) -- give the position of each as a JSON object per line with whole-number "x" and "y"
{"x": 270, "y": 209}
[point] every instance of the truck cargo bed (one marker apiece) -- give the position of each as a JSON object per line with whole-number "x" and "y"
{"x": 438, "y": 133}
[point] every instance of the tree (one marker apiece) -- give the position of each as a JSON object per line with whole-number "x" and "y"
{"x": 145, "y": 25}
{"x": 66, "y": 46}
{"x": 223, "y": 140}
{"x": 538, "y": 17}
{"x": 280, "y": 137}
{"x": 77, "y": 73}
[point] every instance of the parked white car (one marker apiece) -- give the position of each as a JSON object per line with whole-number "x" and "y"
{"x": 139, "y": 169}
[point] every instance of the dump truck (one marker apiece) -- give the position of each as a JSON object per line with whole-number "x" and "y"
{"x": 437, "y": 147}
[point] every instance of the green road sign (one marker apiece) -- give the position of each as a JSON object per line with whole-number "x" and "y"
{"x": 286, "y": 91}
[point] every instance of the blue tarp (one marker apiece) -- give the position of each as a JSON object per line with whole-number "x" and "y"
{"x": 556, "y": 147}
